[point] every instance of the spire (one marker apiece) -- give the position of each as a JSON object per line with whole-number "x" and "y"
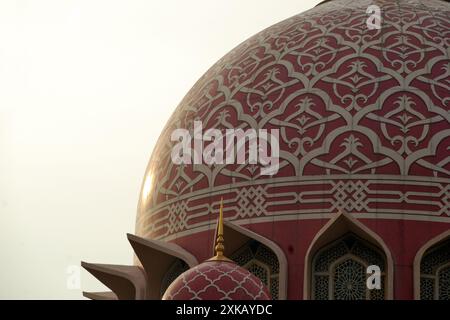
{"x": 220, "y": 248}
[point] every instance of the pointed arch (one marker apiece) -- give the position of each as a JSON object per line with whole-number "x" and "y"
{"x": 339, "y": 225}
{"x": 237, "y": 236}
{"x": 441, "y": 238}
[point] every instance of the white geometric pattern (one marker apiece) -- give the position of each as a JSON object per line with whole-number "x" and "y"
{"x": 252, "y": 202}
{"x": 350, "y": 196}
{"x": 177, "y": 216}
{"x": 363, "y": 117}
{"x": 224, "y": 279}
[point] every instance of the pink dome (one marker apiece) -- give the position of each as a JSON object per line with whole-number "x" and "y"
{"x": 217, "y": 280}
{"x": 362, "y": 112}
{"x": 357, "y": 109}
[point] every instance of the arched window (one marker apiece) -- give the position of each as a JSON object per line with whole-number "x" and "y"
{"x": 262, "y": 262}
{"x": 435, "y": 273}
{"x": 177, "y": 268}
{"x": 339, "y": 270}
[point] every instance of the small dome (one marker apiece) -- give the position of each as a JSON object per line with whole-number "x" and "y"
{"x": 217, "y": 280}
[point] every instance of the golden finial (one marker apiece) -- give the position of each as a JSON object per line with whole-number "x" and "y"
{"x": 220, "y": 248}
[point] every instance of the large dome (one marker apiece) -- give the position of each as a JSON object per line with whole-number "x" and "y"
{"x": 361, "y": 109}
{"x": 358, "y": 110}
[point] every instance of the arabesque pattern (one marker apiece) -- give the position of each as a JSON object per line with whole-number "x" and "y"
{"x": 363, "y": 118}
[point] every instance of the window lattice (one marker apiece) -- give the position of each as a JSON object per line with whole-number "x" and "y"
{"x": 339, "y": 271}
{"x": 370, "y": 256}
{"x": 435, "y": 258}
{"x": 259, "y": 271}
{"x": 177, "y": 268}
{"x": 435, "y": 273}
{"x": 274, "y": 285}
{"x": 243, "y": 256}
{"x": 349, "y": 281}
{"x": 262, "y": 262}
{"x": 444, "y": 284}
{"x": 426, "y": 288}
{"x": 324, "y": 260}
{"x": 378, "y": 294}
{"x": 266, "y": 256}
{"x": 321, "y": 287}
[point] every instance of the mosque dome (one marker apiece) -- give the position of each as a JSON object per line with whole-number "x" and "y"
{"x": 217, "y": 280}
{"x": 363, "y": 121}
{"x": 362, "y": 115}
{"x": 355, "y": 95}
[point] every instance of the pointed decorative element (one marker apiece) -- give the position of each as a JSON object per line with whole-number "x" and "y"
{"x": 220, "y": 247}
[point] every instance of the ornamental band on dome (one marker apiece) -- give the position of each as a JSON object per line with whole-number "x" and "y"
{"x": 363, "y": 169}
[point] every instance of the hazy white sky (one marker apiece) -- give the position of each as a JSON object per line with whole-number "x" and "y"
{"x": 85, "y": 89}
